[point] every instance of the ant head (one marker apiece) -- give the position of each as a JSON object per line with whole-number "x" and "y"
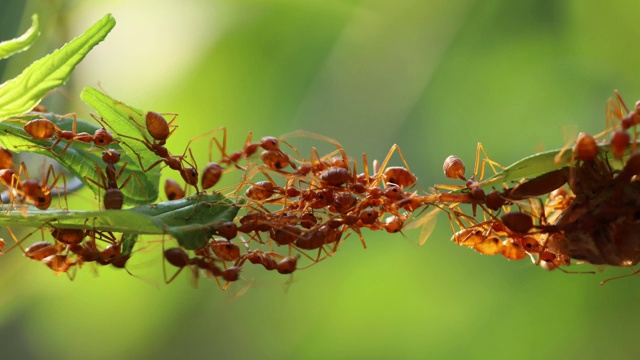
{"x": 120, "y": 261}
{"x": 393, "y": 224}
{"x": 308, "y": 220}
{"x": 394, "y": 192}
{"x": 287, "y": 265}
{"x": 110, "y": 156}
{"x": 530, "y": 244}
{"x": 102, "y": 137}
{"x": 227, "y": 230}
{"x": 369, "y": 216}
{"x": 43, "y": 201}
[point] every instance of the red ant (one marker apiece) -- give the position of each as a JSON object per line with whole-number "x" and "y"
{"x": 33, "y": 190}
{"x": 45, "y": 129}
{"x": 267, "y": 143}
{"x": 620, "y": 139}
{"x": 158, "y": 128}
{"x": 180, "y": 259}
{"x": 113, "y": 197}
{"x": 454, "y": 169}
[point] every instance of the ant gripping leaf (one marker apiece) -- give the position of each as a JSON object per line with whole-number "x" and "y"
{"x": 121, "y": 119}
{"x": 532, "y": 166}
{"x": 76, "y": 158}
{"x": 125, "y": 122}
{"x": 190, "y": 220}
{"x": 200, "y": 212}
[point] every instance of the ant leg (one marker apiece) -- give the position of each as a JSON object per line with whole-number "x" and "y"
{"x": 132, "y": 175}
{"x": 365, "y": 162}
{"x": 75, "y": 121}
{"x": 379, "y": 168}
{"x": 569, "y": 137}
{"x": 18, "y": 243}
{"x": 293, "y": 148}
{"x": 485, "y": 160}
{"x": 635, "y": 273}
{"x": 102, "y": 185}
{"x": 170, "y": 123}
{"x": 164, "y": 267}
{"x": 55, "y": 182}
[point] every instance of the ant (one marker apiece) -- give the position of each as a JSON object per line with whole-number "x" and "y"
{"x": 158, "y": 128}
{"x": 400, "y": 176}
{"x": 267, "y": 143}
{"x": 492, "y": 238}
{"x": 179, "y": 258}
{"x": 45, "y": 129}
{"x": 38, "y": 250}
{"x": 262, "y": 191}
{"x": 113, "y": 197}
{"x": 272, "y": 156}
{"x": 454, "y": 169}
{"x": 286, "y": 265}
{"x": 620, "y": 139}
{"x": 49, "y": 254}
{"x": 38, "y": 192}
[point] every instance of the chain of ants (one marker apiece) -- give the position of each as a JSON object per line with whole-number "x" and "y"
{"x": 304, "y": 209}
{"x": 589, "y": 214}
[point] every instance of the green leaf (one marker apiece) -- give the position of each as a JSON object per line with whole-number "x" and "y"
{"x": 81, "y": 159}
{"x": 199, "y": 211}
{"x": 22, "y": 93}
{"x": 189, "y": 220}
{"x": 22, "y": 43}
{"x": 533, "y": 166}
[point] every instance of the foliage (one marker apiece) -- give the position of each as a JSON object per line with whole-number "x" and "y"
{"x": 21, "y": 94}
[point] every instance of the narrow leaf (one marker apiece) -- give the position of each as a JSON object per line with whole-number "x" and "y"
{"x": 22, "y": 43}
{"x": 199, "y": 212}
{"x": 22, "y": 93}
{"x": 533, "y": 166}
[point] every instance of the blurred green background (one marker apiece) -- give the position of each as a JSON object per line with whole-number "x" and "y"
{"x": 435, "y": 77}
